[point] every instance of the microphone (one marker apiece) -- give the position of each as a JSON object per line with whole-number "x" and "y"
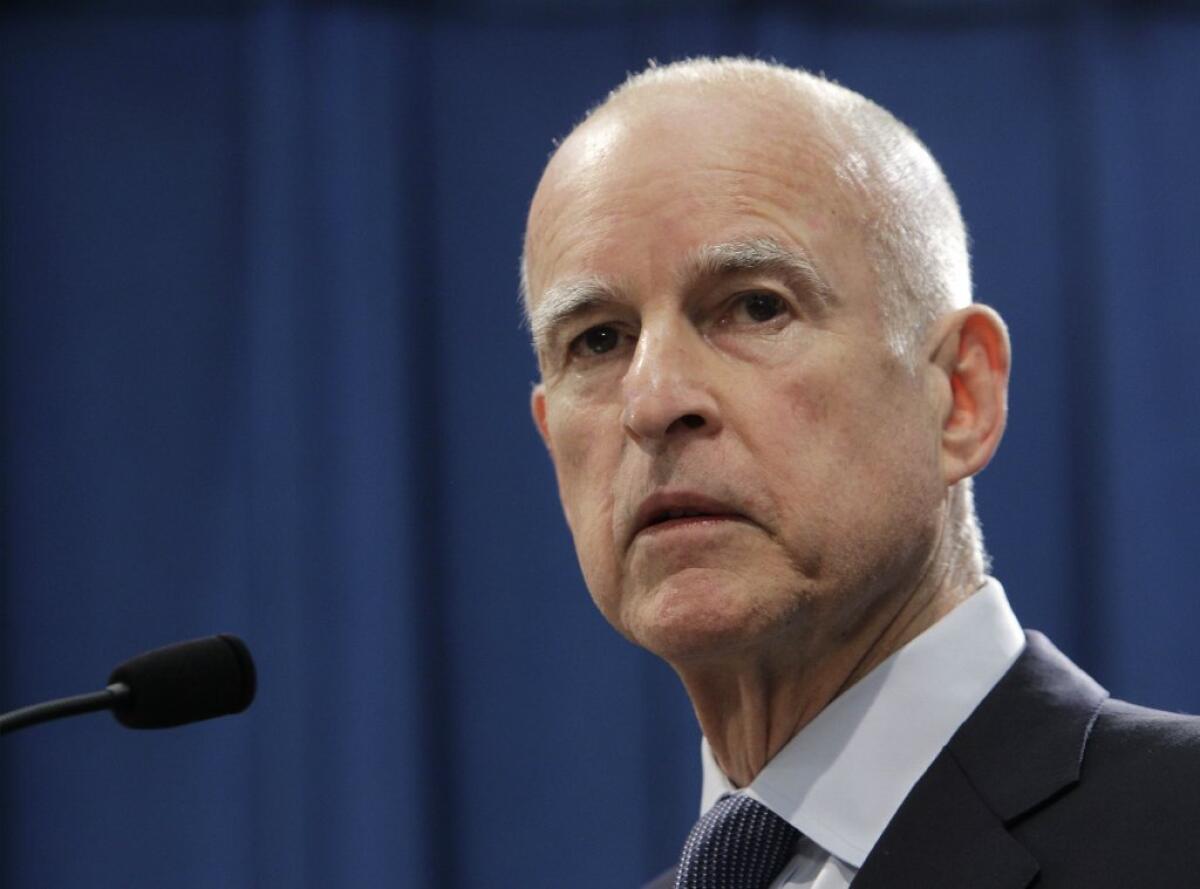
{"x": 166, "y": 687}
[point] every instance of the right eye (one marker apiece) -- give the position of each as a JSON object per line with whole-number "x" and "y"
{"x": 596, "y": 341}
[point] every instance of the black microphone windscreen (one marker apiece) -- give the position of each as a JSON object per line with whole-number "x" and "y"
{"x": 186, "y": 682}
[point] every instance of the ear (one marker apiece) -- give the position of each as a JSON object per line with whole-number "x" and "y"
{"x": 972, "y": 354}
{"x": 537, "y": 407}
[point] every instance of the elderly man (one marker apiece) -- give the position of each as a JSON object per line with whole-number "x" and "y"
{"x": 765, "y": 390}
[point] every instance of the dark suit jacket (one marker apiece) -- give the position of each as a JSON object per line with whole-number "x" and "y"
{"x": 1049, "y": 783}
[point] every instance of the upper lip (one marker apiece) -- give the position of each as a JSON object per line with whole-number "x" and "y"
{"x": 659, "y": 506}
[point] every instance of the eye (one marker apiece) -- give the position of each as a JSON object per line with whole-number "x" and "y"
{"x": 755, "y": 308}
{"x": 761, "y": 307}
{"x": 596, "y": 340}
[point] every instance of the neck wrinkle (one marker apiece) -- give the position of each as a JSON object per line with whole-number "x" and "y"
{"x": 749, "y": 711}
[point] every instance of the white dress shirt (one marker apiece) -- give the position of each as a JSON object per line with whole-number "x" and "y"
{"x": 842, "y": 778}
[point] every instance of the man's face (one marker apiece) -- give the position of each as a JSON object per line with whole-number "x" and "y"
{"x": 741, "y": 459}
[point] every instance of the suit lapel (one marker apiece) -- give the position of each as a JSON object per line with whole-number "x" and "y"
{"x": 1026, "y": 739}
{"x": 1023, "y": 744}
{"x": 945, "y": 836}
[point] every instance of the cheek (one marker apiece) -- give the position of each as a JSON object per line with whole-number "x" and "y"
{"x": 859, "y": 408}
{"x": 585, "y": 462}
{"x": 847, "y": 444}
{"x": 809, "y": 401}
{"x": 574, "y": 425}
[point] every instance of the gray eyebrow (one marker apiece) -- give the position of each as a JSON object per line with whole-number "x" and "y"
{"x": 763, "y": 256}
{"x": 756, "y": 255}
{"x": 564, "y": 300}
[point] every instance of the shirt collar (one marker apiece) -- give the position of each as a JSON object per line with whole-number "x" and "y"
{"x": 840, "y": 780}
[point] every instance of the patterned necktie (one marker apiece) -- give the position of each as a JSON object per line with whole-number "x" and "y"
{"x": 738, "y": 844}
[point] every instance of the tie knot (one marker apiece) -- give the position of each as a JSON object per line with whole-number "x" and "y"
{"x": 738, "y": 844}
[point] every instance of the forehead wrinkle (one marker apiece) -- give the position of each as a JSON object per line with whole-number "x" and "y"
{"x": 564, "y": 300}
{"x": 763, "y": 256}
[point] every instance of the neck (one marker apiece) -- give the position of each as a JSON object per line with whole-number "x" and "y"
{"x": 749, "y": 706}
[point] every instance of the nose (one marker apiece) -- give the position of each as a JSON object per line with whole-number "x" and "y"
{"x": 667, "y": 389}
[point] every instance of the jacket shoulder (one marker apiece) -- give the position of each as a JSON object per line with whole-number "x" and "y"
{"x": 1130, "y": 817}
{"x": 1145, "y": 746}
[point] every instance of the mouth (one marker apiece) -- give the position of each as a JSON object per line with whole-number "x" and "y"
{"x": 670, "y": 510}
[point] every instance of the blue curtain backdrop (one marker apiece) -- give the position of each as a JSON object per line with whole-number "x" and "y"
{"x": 263, "y": 374}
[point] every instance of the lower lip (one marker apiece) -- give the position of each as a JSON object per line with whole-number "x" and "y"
{"x": 690, "y": 523}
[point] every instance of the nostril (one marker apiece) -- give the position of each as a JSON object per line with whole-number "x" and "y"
{"x": 692, "y": 421}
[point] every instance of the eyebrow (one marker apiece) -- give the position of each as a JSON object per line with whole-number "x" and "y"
{"x": 763, "y": 256}
{"x": 565, "y": 300}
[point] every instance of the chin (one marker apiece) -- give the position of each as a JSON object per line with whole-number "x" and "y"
{"x": 688, "y": 617}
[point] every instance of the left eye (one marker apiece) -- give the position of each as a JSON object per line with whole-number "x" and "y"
{"x": 761, "y": 307}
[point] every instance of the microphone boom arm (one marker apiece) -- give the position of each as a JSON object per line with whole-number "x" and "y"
{"x": 111, "y": 697}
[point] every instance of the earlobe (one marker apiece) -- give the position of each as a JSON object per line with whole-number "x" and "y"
{"x": 974, "y": 354}
{"x": 537, "y": 407}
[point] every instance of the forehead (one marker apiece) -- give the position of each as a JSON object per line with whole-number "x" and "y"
{"x": 642, "y": 184}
